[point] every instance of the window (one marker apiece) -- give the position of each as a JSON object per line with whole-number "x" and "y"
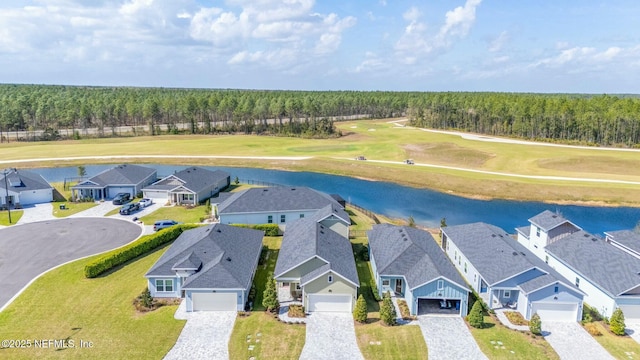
{"x": 440, "y": 284}
{"x": 537, "y": 231}
{"x": 465, "y": 267}
{"x": 546, "y": 259}
{"x": 164, "y": 285}
{"x": 301, "y": 216}
{"x": 447, "y": 246}
{"x": 507, "y": 293}
{"x": 385, "y": 282}
{"x": 556, "y": 289}
{"x": 577, "y": 282}
{"x": 330, "y": 278}
{"x": 455, "y": 255}
{"x": 475, "y": 276}
{"x": 270, "y": 219}
{"x": 283, "y": 218}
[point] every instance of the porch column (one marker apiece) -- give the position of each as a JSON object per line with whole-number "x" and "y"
{"x": 490, "y": 298}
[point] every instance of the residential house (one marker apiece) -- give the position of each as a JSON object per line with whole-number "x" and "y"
{"x": 316, "y": 266}
{"x": 22, "y": 187}
{"x": 544, "y": 229}
{"x": 211, "y": 267}
{"x": 507, "y": 275}
{"x": 126, "y": 178}
{"x": 190, "y": 186}
{"x": 409, "y": 263}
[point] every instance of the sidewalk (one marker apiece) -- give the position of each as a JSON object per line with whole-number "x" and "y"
{"x": 505, "y": 321}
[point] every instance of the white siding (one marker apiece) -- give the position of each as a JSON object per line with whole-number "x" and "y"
{"x": 262, "y": 218}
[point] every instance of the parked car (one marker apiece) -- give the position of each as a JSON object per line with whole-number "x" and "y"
{"x": 145, "y": 202}
{"x": 361, "y": 157}
{"x": 409, "y": 162}
{"x": 163, "y": 224}
{"x": 129, "y": 208}
{"x": 121, "y": 198}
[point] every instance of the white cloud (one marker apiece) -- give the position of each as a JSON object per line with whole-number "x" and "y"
{"x": 498, "y": 43}
{"x": 459, "y": 21}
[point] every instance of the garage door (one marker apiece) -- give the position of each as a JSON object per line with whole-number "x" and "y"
{"x": 214, "y": 301}
{"x": 115, "y": 190}
{"x": 36, "y": 197}
{"x": 555, "y": 311}
{"x": 631, "y": 312}
{"x": 329, "y": 303}
{"x": 158, "y": 196}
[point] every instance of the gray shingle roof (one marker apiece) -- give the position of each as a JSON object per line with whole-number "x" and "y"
{"x": 329, "y": 210}
{"x": 125, "y": 174}
{"x": 627, "y": 238}
{"x": 413, "y": 253}
{"x": 497, "y": 256}
{"x": 228, "y": 254}
{"x": 524, "y": 230}
{"x": 305, "y": 239}
{"x": 23, "y": 180}
{"x": 277, "y": 198}
{"x": 548, "y": 220}
{"x": 192, "y": 178}
{"x": 610, "y": 268}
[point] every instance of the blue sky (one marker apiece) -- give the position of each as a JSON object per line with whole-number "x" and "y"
{"x": 400, "y": 45}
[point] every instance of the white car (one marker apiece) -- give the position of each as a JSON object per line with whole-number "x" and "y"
{"x": 145, "y": 202}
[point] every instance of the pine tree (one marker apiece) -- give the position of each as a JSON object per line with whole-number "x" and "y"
{"x": 616, "y": 323}
{"x": 475, "y": 318}
{"x": 535, "y": 324}
{"x": 387, "y": 310}
{"x": 270, "y": 295}
{"x": 360, "y": 312}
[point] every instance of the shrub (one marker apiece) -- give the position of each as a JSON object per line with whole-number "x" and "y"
{"x": 387, "y": 310}
{"x": 263, "y": 255}
{"x": 269, "y": 229}
{"x": 592, "y": 329}
{"x": 475, "y": 318}
{"x": 139, "y": 247}
{"x": 360, "y": 312}
{"x": 616, "y": 323}
{"x": 590, "y": 314}
{"x": 270, "y": 295}
{"x": 145, "y": 298}
{"x": 404, "y": 310}
{"x": 296, "y": 311}
{"x": 374, "y": 290}
{"x": 535, "y": 324}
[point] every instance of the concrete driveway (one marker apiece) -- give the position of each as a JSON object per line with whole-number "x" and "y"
{"x": 37, "y": 212}
{"x": 330, "y": 336}
{"x": 572, "y": 341}
{"x": 448, "y": 337}
{"x": 28, "y": 250}
{"x": 633, "y": 329}
{"x": 97, "y": 211}
{"x": 206, "y": 335}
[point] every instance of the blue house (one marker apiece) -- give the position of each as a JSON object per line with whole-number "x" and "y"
{"x": 211, "y": 267}
{"x": 408, "y": 263}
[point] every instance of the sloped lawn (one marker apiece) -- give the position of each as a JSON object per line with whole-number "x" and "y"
{"x": 618, "y": 346}
{"x": 15, "y": 216}
{"x": 63, "y": 304}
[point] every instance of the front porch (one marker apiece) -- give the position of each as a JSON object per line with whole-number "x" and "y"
{"x": 501, "y": 298}
{"x": 88, "y": 193}
{"x": 289, "y": 292}
{"x": 183, "y": 198}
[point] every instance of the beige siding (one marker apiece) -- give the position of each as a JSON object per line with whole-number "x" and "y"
{"x": 303, "y": 268}
{"x": 322, "y": 286}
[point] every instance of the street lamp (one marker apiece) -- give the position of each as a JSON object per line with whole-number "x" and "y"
{"x": 6, "y": 187}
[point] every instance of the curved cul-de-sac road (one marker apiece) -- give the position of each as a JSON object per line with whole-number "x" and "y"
{"x": 28, "y": 250}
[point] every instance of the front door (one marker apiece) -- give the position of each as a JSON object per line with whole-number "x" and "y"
{"x": 399, "y": 286}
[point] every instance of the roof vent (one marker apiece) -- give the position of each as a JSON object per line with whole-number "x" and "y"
{"x": 594, "y": 239}
{"x": 228, "y": 258}
{"x": 321, "y": 232}
{"x": 265, "y": 190}
{"x": 218, "y": 230}
{"x": 554, "y": 216}
{"x": 586, "y": 235}
{"x": 293, "y": 189}
{"x": 208, "y": 229}
{"x": 523, "y": 254}
{"x": 515, "y": 253}
{"x": 493, "y": 235}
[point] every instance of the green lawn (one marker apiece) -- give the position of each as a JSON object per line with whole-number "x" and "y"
{"x": 15, "y": 216}
{"x": 178, "y": 213}
{"x": 62, "y": 195}
{"x": 523, "y": 346}
{"x": 63, "y": 304}
{"x": 391, "y": 342}
{"x": 618, "y": 346}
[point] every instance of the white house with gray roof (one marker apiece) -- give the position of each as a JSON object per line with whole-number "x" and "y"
{"x": 278, "y": 205}
{"x": 126, "y": 178}
{"x": 626, "y": 240}
{"x": 507, "y": 275}
{"x": 211, "y": 267}
{"x": 190, "y": 186}
{"x": 316, "y": 267}
{"x": 24, "y": 188}
{"x": 544, "y": 229}
{"x": 409, "y": 263}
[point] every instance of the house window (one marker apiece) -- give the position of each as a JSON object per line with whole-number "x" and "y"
{"x": 556, "y": 289}
{"x": 385, "y": 282}
{"x": 330, "y": 278}
{"x": 465, "y": 267}
{"x": 447, "y": 246}
{"x": 455, "y": 255}
{"x": 298, "y": 286}
{"x": 577, "y": 282}
{"x": 475, "y": 276}
{"x": 270, "y": 219}
{"x": 440, "y": 284}
{"x": 283, "y": 218}
{"x": 301, "y": 216}
{"x": 164, "y": 285}
{"x": 546, "y": 259}
{"x": 507, "y": 293}
{"x": 537, "y": 231}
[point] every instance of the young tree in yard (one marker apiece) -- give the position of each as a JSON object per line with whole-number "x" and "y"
{"x": 270, "y": 295}
{"x": 387, "y": 310}
{"x": 616, "y": 323}
{"x": 360, "y": 312}
{"x": 475, "y": 318}
{"x": 535, "y": 324}
{"x": 82, "y": 171}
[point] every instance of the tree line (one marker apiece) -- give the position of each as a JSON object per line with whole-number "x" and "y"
{"x": 47, "y": 110}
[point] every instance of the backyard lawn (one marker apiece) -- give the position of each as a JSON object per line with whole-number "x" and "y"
{"x": 63, "y": 304}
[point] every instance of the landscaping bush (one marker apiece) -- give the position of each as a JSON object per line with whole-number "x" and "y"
{"x": 535, "y": 324}
{"x": 387, "y": 310}
{"x": 269, "y": 229}
{"x": 270, "y": 295}
{"x": 404, "y": 310}
{"x": 616, "y": 323}
{"x": 592, "y": 329}
{"x": 263, "y": 255}
{"x": 360, "y": 312}
{"x": 590, "y": 314}
{"x": 296, "y": 311}
{"x": 374, "y": 290}
{"x": 476, "y": 317}
{"x": 140, "y": 247}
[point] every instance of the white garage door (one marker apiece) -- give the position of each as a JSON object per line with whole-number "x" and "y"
{"x": 555, "y": 311}
{"x": 158, "y": 196}
{"x": 214, "y": 301}
{"x": 36, "y": 197}
{"x": 631, "y": 312}
{"x": 329, "y": 303}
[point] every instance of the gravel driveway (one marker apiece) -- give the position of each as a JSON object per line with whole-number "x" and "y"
{"x": 571, "y": 341}
{"x": 330, "y": 336}
{"x": 448, "y": 337}
{"x": 206, "y": 335}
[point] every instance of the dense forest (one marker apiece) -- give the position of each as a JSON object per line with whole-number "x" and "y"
{"x": 40, "y": 112}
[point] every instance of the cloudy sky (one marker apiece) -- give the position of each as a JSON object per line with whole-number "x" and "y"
{"x": 585, "y": 46}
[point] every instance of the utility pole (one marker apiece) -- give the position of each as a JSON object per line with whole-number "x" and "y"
{"x": 6, "y": 187}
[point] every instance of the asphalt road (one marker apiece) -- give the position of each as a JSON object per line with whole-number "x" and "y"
{"x": 30, "y": 249}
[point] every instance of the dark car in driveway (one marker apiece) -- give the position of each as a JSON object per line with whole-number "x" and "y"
{"x": 121, "y": 198}
{"x": 129, "y": 208}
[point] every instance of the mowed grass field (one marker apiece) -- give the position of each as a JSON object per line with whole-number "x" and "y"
{"x": 444, "y": 162}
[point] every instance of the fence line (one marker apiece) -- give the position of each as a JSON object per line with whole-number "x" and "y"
{"x": 368, "y": 213}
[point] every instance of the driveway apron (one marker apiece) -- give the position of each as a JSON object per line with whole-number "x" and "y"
{"x": 633, "y": 329}
{"x": 571, "y": 341}
{"x": 206, "y": 335}
{"x": 448, "y": 337}
{"x": 330, "y": 336}
{"x": 37, "y": 212}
